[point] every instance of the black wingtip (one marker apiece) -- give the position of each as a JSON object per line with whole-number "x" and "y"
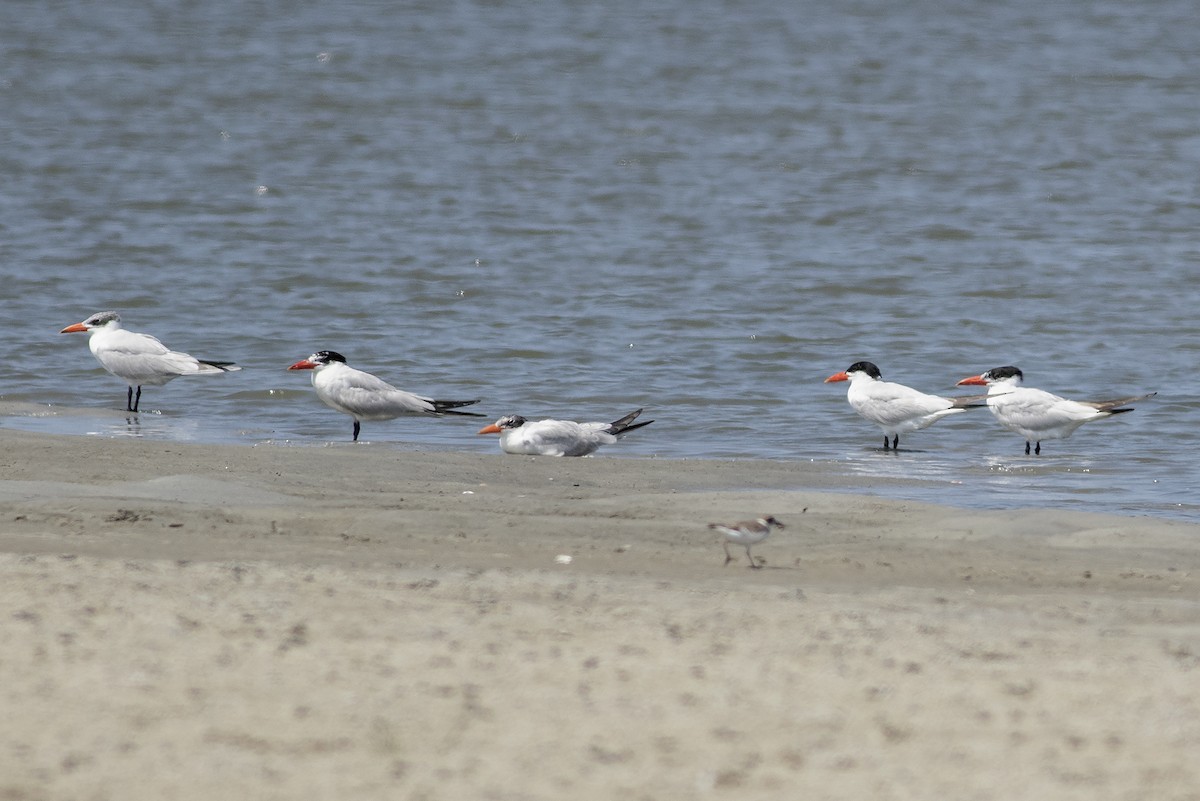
{"x": 968, "y": 401}
{"x": 627, "y": 429}
{"x": 1121, "y": 404}
{"x": 624, "y": 424}
{"x": 218, "y": 365}
{"x": 449, "y": 407}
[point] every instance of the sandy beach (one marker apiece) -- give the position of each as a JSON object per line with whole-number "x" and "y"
{"x": 320, "y": 622}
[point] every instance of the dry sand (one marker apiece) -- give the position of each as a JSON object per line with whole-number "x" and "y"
{"x": 199, "y": 622}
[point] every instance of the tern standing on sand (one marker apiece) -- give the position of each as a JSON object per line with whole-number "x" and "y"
{"x": 367, "y": 397}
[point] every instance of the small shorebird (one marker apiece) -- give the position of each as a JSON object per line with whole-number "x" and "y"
{"x": 139, "y": 359}
{"x": 1036, "y": 414}
{"x": 367, "y": 397}
{"x": 559, "y": 437}
{"x": 746, "y": 533}
{"x": 895, "y": 408}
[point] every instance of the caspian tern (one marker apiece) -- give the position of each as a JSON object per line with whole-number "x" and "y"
{"x": 746, "y": 533}
{"x": 895, "y": 408}
{"x": 367, "y": 397}
{"x": 1036, "y": 414}
{"x": 139, "y": 359}
{"x": 559, "y": 437}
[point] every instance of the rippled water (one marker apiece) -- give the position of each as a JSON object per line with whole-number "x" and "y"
{"x": 571, "y": 209}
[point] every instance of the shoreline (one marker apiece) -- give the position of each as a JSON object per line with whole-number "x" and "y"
{"x": 995, "y": 482}
{"x": 312, "y": 622}
{"x": 664, "y": 502}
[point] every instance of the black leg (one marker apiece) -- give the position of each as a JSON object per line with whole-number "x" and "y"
{"x": 356, "y": 430}
{"x": 137, "y": 399}
{"x": 1027, "y": 448}
{"x": 885, "y": 442}
{"x": 1038, "y": 449}
{"x": 129, "y": 400}
{"x": 896, "y": 442}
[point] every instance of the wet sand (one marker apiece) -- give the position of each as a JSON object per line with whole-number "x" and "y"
{"x": 191, "y": 622}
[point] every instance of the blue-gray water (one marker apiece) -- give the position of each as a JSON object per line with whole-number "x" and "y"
{"x": 575, "y": 209}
